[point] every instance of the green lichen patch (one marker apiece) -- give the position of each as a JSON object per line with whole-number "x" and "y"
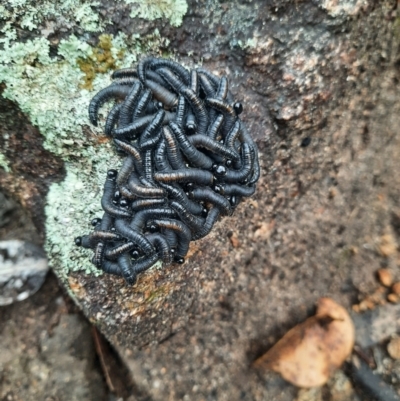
{"x": 48, "y": 90}
{"x": 49, "y": 16}
{"x": 4, "y": 163}
{"x": 34, "y": 14}
{"x": 101, "y": 60}
{"x": 71, "y": 205}
{"x": 173, "y": 10}
{"x": 54, "y": 92}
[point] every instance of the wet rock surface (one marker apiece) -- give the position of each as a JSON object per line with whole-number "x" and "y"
{"x": 320, "y": 86}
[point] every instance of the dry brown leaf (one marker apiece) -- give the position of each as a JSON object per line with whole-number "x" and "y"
{"x": 307, "y": 354}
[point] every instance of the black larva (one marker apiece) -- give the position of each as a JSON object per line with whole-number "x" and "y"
{"x": 188, "y": 160}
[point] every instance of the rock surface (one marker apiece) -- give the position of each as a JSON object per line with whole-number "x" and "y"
{"x": 326, "y": 71}
{"x": 46, "y": 353}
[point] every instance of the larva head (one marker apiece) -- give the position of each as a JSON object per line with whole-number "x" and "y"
{"x": 112, "y": 174}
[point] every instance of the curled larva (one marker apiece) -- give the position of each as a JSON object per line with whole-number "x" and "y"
{"x": 188, "y": 159}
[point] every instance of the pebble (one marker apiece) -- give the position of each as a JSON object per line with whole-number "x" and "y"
{"x": 393, "y": 348}
{"x": 385, "y": 277}
{"x": 396, "y": 288}
{"x": 235, "y": 240}
{"x": 23, "y": 269}
{"x": 393, "y": 298}
{"x": 388, "y": 245}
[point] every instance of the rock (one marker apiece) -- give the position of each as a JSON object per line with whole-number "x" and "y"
{"x": 371, "y": 301}
{"x": 378, "y": 325}
{"x": 371, "y": 383}
{"x": 48, "y": 352}
{"x": 388, "y": 245}
{"x": 23, "y": 268}
{"x": 70, "y": 345}
{"x": 326, "y": 70}
{"x": 234, "y": 240}
{"x": 394, "y": 298}
{"x": 341, "y": 388}
{"x": 312, "y": 394}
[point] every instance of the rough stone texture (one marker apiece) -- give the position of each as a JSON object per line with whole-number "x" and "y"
{"x": 14, "y": 224}
{"x": 33, "y": 170}
{"x": 46, "y": 353}
{"x": 164, "y": 300}
{"x": 324, "y": 70}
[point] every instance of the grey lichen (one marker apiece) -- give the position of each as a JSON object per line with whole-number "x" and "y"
{"x": 34, "y": 14}
{"x": 49, "y": 90}
{"x": 49, "y": 16}
{"x": 70, "y": 206}
{"x": 54, "y": 92}
{"x": 342, "y": 8}
{"x": 4, "y": 163}
{"x": 173, "y": 10}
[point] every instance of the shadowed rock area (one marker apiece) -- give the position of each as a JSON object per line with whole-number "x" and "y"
{"x": 47, "y": 351}
{"x": 320, "y": 85}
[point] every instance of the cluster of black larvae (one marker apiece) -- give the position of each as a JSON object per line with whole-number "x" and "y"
{"x": 188, "y": 160}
